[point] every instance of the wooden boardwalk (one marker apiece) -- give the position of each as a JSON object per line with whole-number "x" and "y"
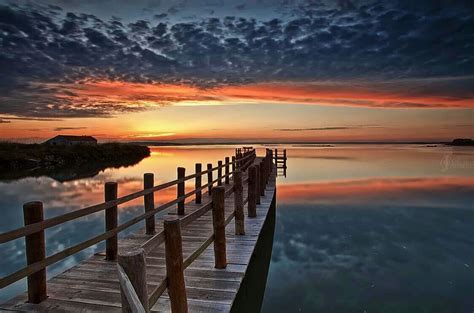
{"x": 93, "y": 285}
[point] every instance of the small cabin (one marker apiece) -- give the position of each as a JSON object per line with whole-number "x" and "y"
{"x": 62, "y": 140}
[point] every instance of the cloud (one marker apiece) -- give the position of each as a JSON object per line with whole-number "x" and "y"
{"x": 313, "y": 128}
{"x": 68, "y": 128}
{"x": 2, "y": 121}
{"x": 44, "y": 51}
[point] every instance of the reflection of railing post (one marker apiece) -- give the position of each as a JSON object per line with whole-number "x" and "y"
{"x": 239, "y": 204}
{"x": 149, "y": 199}
{"x": 219, "y": 173}
{"x": 111, "y": 221}
{"x": 174, "y": 266}
{"x": 252, "y": 192}
{"x": 227, "y": 179}
{"x": 134, "y": 265}
{"x": 218, "y": 221}
{"x": 180, "y": 189}
{"x": 209, "y": 178}
{"x": 35, "y": 252}
{"x": 198, "y": 183}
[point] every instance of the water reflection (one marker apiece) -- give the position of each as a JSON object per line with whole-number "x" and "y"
{"x": 377, "y": 229}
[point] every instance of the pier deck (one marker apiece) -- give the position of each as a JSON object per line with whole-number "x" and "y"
{"x": 93, "y": 285}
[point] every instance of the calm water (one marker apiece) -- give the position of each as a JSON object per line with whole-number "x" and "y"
{"x": 359, "y": 228}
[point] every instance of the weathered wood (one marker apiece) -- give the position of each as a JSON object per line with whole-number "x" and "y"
{"x": 35, "y": 252}
{"x": 218, "y": 221}
{"x": 252, "y": 192}
{"x": 111, "y": 221}
{"x": 262, "y": 178}
{"x": 227, "y": 176}
{"x": 239, "y": 204}
{"x": 257, "y": 183}
{"x": 209, "y": 178}
{"x": 134, "y": 266}
{"x": 181, "y": 189}
{"x": 132, "y": 304}
{"x": 198, "y": 182}
{"x": 233, "y": 164}
{"x": 174, "y": 266}
{"x": 149, "y": 202}
{"x": 219, "y": 173}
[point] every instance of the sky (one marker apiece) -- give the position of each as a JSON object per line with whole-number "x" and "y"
{"x": 228, "y": 71}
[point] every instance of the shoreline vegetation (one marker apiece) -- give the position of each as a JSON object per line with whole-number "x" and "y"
{"x": 64, "y": 163}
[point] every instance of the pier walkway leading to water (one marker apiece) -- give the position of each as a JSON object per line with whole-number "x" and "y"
{"x": 195, "y": 257}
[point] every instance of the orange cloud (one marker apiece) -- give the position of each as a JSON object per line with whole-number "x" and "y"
{"x": 123, "y": 96}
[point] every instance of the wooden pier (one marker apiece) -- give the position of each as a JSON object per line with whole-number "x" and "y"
{"x": 196, "y": 258}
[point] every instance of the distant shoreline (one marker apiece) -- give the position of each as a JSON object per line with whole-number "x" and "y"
{"x": 329, "y": 143}
{"x": 65, "y": 163}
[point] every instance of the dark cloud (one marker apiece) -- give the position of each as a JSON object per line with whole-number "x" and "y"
{"x": 372, "y": 41}
{"x": 68, "y": 128}
{"x": 326, "y": 128}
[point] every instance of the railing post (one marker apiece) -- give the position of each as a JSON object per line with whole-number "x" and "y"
{"x": 134, "y": 265}
{"x": 219, "y": 173}
{"x": 209, "y": 178}
{"x": 149, "y": 202}
{"x": 111, "y": 221}
{"x": 35, "y": 251}
{"x": 252, "y": 192}
{"x": 180, "y": 190}
{"x": 257, "y": 183}
{"x": 218, "y": 221}
{"x": 239, "y": 204}
{"x": 174, "y": 266}
{"x": 233, "y": 164}
{"x": 276, "y": 157}
{"x": 198, "y": 182}
{"x": 262, "y": 178}
{"x": 227, "y": 178}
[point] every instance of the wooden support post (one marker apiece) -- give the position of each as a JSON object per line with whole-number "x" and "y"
{"x": 181, "y": 189}
{"x": 218, "y": 221}
{"x": 198, "y": 183}
{"x": 276, "y": 157}
{"x": 219, "y": 173}
{"x": 233, "y": 164}
{"x": 262, "y": 178}
{"x": 174, "y": 266}
{"x": 257, "y": 184}
{"x": 134, "y": 265}
{"x": 252, "y": 192}
{"x": 227, "y": 178}
{"x": 209, "y": 178}
{"x": 35, "y": 251}
{"x": 111, "y": 221}
{"x": 239, "y": 204}
{"x": 149, "y": 202}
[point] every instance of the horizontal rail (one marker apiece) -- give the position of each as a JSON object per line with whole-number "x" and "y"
{"x": 157, "y": 292}
{"x": 57, "y": 220}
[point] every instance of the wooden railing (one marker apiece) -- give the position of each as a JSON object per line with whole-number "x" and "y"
{"x": 35, "y": 224}
{"x": 132, "y": 265}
